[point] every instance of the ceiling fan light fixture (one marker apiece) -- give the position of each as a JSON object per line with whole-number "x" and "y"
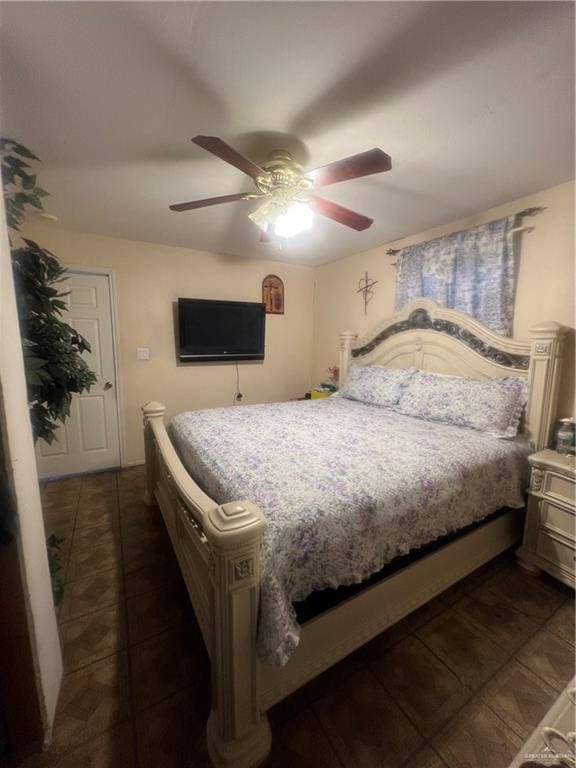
{"x": 298, "y": 217}
{"x": 262, "y": 216}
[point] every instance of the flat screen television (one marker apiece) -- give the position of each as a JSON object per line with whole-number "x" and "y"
{"x": 214, "y": 331}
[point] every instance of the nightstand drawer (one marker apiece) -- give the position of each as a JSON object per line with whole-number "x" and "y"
{"x": 556, "y": 552}
{"x": 559, "y": 486}
{"x": 557, "y": 517}
{"x": 549, "y": 534}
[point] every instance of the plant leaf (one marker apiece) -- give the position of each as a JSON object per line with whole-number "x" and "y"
{"x": 23, "y": 151}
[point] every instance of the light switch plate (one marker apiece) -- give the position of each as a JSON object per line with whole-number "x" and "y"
{"x": 142, "y": 353}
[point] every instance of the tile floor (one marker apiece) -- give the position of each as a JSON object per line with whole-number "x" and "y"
{"x": 459, "y": 684}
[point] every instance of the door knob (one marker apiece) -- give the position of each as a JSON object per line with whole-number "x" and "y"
{"x": 107, "y": 386}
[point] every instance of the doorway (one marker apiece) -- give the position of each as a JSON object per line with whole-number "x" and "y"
{"x": 89, "y": 440}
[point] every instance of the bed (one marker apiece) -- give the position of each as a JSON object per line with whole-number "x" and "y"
{"x": 248, "y": 534}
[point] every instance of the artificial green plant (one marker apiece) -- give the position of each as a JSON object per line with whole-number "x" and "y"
{"x": 55, "y": 369}
{"x": 52, "y": 349}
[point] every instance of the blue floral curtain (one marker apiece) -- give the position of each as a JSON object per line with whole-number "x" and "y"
{"x": 473, "y": 271}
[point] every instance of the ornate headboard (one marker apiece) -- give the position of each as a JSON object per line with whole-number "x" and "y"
{"x": 433, "y": 338}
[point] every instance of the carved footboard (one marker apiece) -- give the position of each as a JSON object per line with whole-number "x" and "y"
{"x": 218, "y": 550}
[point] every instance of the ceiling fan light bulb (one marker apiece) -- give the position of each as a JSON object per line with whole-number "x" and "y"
{"x": 299, "y": 217}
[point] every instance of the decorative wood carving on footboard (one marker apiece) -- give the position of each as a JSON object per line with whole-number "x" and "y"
{"x": 218, "y": 550}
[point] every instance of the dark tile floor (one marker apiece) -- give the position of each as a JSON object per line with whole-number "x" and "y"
{"x": 460, "y": 683}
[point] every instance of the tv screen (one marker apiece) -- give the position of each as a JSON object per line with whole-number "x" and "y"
{"x": 213, "y": 331}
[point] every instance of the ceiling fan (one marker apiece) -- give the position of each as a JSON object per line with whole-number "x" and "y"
{"x": 288, "y": 191}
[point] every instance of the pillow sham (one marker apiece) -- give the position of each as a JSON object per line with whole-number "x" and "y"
{"x": 375, "y": 384}
{"x": 494, "y": 406}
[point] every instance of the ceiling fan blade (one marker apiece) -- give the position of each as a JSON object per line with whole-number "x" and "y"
{"x": 363, "y": 164}
{"x": 208, "y": 201}
{"x": 341, "y": 215}
{"x": 225, "y": 152}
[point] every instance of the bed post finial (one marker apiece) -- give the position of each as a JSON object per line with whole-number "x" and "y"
{"x": 238, "y": 731}
{"x": 544, "y": 379}
{"x": 151, "y": 411}
{"x": 347, "y": 338}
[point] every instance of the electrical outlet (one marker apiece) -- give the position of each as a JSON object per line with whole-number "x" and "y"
{"x": 142, "y": 353}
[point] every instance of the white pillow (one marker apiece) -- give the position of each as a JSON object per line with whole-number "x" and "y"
{"x": 494, "y": 406}
{"x": 375, "y": 384}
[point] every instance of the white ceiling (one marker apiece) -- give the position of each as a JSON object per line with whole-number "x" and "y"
{"x": 473, "y": 101}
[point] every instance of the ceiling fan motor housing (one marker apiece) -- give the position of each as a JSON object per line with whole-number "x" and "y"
{"x": 282, "y": 173}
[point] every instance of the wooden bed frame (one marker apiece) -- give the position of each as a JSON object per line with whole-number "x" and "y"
{"x": 218, "y": 546}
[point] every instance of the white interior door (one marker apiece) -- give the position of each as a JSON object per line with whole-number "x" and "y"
{"x": 89, "y": 439}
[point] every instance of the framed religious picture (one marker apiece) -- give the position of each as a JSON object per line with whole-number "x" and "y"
{"x": 273, "y": 295}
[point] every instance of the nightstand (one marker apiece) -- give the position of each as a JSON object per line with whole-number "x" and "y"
{"x": 549, "y": 539}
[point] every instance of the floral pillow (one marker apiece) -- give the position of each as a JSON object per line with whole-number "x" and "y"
{"x": 375, "y": 384}
{"x": 494, "y": 406}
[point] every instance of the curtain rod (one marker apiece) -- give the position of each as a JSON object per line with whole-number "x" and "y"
{"x": 526, "y": 212}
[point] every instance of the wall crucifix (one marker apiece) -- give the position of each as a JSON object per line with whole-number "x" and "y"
{"x": 273, "y": 295}
{"x": 365, "y": 285}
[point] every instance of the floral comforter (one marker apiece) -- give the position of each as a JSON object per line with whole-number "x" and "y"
{"x": 345, "y": 488}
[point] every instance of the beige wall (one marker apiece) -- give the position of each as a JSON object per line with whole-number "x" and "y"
{"x": 545, "y": 281}
{"x": 148, "y": 279}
